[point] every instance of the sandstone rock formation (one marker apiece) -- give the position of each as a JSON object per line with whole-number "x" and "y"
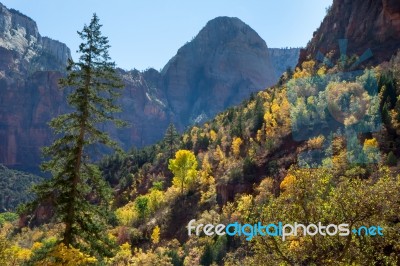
{"x": 29, "y": 95}
{"x": 367, "y": 24}
{"x": 220, "y": 67}
{"x": 19, "y": 34}
{"x": 282, "y": 58}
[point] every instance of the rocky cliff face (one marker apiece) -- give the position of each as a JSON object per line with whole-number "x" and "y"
{"x": 282, "y": 58}
{"x": 367, "y": 24}
{"x": 30, "y": 67}
{"x": 145, "y": 108}
{"x": 224, "y": 64}
{"x": 27, "y": 105}
{"x": 220, "y": 67}
{"x": 19, "y": 34}
{"x": 29, "y": 96}
{"x": 25, "y": 108}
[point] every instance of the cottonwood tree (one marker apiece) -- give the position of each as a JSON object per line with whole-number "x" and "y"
{"x": 77, "y": 190}
{"x": 184, "y": 168}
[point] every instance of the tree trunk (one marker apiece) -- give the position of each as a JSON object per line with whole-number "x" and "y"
{"x": 70, "y": 219}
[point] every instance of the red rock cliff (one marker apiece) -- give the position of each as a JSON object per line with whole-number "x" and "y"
{"x": 367, "y": 24}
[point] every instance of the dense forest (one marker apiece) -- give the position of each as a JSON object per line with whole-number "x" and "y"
{"x": 15, "y": 188}
{"x": 322, "y": 145}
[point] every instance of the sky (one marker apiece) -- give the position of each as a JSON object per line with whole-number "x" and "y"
{"x": 145, "y": 34}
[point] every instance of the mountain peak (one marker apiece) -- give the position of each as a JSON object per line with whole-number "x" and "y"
{"x": 226, "y": 21}
{"x": 222, "y": 30}
{"x": 222, "y": 65}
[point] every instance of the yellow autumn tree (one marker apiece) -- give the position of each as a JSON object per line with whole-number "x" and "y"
{"x": 156, "y": 199}
{"x": 287, "y": 182}
{"x": 316, "y": 142}
{"x": 371, "y": 149}
{"x": 394, "y": 115}
{"x": 193, "y": 134}
{"x": 155, "y": 235}
{"x": 218, "y": 154}
{"x": 370, "y": 143}
{"x": 184, "y": 168}
{"x": 67, "y": 256}
{"x": 12, "y": 254}
{"x": 6, "y": 254}
{"x": 207, "y": 182}
{"x": 244, "y": 207}
{"x": 157, "y": 257}
{"x": 213, "y": 135}
{"x": 270, "y": 125}
{"x": 283, "y": 115}
{"x": 127, "y": 214}
{"x": 123, "y": 256}
{"x": 307, "y": 70}
{"x": 236, "y": 144}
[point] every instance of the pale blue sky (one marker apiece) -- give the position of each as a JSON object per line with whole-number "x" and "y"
{"x": 148, "y": 33}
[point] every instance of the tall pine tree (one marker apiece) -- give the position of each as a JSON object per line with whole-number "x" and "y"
{"x": 171, "y": 140}
{"x": 77, "y": 191}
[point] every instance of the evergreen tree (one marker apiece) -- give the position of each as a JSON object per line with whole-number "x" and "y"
{"x": 391, "y": 159}
{"x": 237, "y": 124}
{"x": 77, "y": 191}
{"x": 171, "y": 140}
{"x": 207, "y": 257}
{"x": 289, "y": 72}
{"x": 258, "y": 116}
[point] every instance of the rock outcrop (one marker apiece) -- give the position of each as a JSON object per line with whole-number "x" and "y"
{"x": 366, "y": 24}
{"x": 145, "y": 108}
{"x": 19, "y": 33}
{"x": 219, "y": 68}
{"x": 283, "y": 58}
{"x": 29, "y": 95}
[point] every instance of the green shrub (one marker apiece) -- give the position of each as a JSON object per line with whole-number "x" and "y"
{"x": 7, "y": 217}
{"x": 391, "y": 159}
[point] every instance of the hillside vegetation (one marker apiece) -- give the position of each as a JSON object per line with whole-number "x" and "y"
{"x": 15, "y": 188}
{"x": 285, "y": 154}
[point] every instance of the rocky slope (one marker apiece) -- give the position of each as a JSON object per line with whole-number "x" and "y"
{"x": 219, "y": 68}
{"x": 367, "y": 24}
